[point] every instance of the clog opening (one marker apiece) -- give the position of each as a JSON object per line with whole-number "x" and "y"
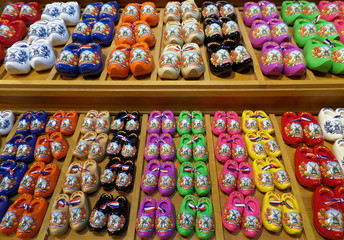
{"x": 154, "y": 164}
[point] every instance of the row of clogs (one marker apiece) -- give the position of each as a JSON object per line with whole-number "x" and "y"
{"x": 263, "y": 10}
{"x": 32, "y": 123}
{"x": 226, "y": 122}
{"x": 176, "y": 11}
{"x": 160, "y": 147}
{"x": 252, "y": 122}
{"x": 145, "y": 12}
{"x": 218, "y": 10}
{"x": 230, "y": 147}
{"x": 192, "y": 148}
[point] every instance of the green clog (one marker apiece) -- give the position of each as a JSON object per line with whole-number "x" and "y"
{"x": 202, "y": 179}
{"x": 205, "y": 224}
{"x": 326, "y": 30}
{"x": 291, "y": 11}
{"x": 198, "y": 125}
{"x": 200, "y": 149}
{"x": 184, "y": 123}
{"x": 337, "y": 49}
{"x": 185, "y": 184}
{"x": 184, "y": 151}
{"x": 187, "y": 216}
{"x": 318, "y": 56}
{"x": 303, "y": 31}
{"x": 309, "y": 10}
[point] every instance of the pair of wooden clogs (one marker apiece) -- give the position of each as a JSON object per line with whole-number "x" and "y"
{"x": 98, "y": 122}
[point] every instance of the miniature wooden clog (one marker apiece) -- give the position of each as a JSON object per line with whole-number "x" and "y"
{"x": 72, "y": 182}
{"x": 59, "y": 217}
{"x": 262, "y": 176}
{"x": 272, "y": 212}
{"x": 79, "y": 211}
{"x": 90, "y": 177}
{"x": 186, "y": 216}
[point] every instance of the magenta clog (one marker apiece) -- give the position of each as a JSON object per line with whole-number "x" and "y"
{"x": 260, "y": 33}
{"x": 218, "y": 125}
{"x": 269, "y": 10}
{"x": 145, "y": 221}
{"x": 167, "y": 148}
{"x": 233, "y": 126}
{"x": 245, "y": 183}
{"x": 223, "y": 148}
{"x": 329, "y": 11}
{"x": 228, "y": 177}
{"x": 165, "y": 222}
{"x": 154, "y": 122}
{"x": 239, "y": 151}
{"x": 149, "y": 180}
{"x": 279, "y": 31}
{"x": 251, "y": 221}
{"x": 251, "y": 13}
{"x": 152, "y": 147}
{"x": 168, "y": 123}
{"x": 339, "y": 24}
{"x": 231, "y": 215}
{"x": 294, "y": 63}
{"x": 271, "y": 61}
{"x": 167, "y": 179}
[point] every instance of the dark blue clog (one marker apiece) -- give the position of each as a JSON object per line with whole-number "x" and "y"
{"x": 10, "y": 149}
{"x": 24, "y": 123}
{"x": 83, "y": 30}
{"x": 110, "y": 10}
{"x": 10, "y": 183}
{"x": 102, "y": 31}
{"x": 90, "y": 63}
{"x": 4, "y": 205}
{"x": 38, "y": 122}
{"x": 92, "y": 11}
{"x": 67, "y": 62}
{"x": 26, "y": 149}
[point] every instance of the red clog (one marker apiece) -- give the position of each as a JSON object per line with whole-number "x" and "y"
{"x": 42, "y": 149}
{"x": 327, "y": 214}
{"x": 307, "y": 168}
{"x": 28, "y": 183}
{"x": 11, "y": 32}
{"x": 339, "y": 192}
{"x": 291, "y": 128}
{"x": 2, "y": 53}
{"x": 69, "y": 122}
{"x": 331, "y": 172}
{"x": 311, "y": 129}
{"x": 11, "y": 11}
{"x": 54, "y": 122}
{"x": 30, "y": 13}
{"x": 10, "y": 221}
{"x": 46, "y": 182}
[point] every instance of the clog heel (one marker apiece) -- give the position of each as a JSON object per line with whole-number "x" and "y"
{"x": 67, "y": 61}
{"x": 269, "y": 10}
{"x": 110, "y": 10}
{"x": 124, "y": 34}
{"x": 141, "y": 61}
{"x": 251, "y": 13}
{"x": 262, "y": 176}
{"x": 294, "y": 63}
{"x": 192, "y": 61}
{"x": 291, "y": 11}
{"x": 118, "y": 62}
{"x": 103, "y": 32}
{"x": 192, "y": 31}
{"x": 272, "y": 212}
{"x": 271, "y": 61}
{"x": 172, "y": 12}
{"x": 189, "y": 9}
{"x": 169, "y": 63}
{"x": 303, "y": 31}
{"x": 310, "y": 10}
{"x": 279, "y": 31}
{"x": 30, "y": 13}
{"x": 291, "y": 218}
{"x": 90, "y": 62}
{"x": 329, "y": 10}
{"x": 260, "y": 33}
{"x": 326, "y": 30}
{"x": 337, "y": 49}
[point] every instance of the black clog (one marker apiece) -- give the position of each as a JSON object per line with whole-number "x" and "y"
{"x": 115, "y": 146}
{"x": 125, "y": 177}
{"x": 132, "y": 122}
{"x": 226, "y": 10}
{"x": 118, "y": 217}
{"x": 100, "y": 213}
{"x": 108, "y": 177}
{"x": 242, "y": 60}
{"x": 119, "y": 122}
{"x": 209, "y": 10}
{"x": 220, "y": 61}
{"x": 129, "y": 147}
{"x": 212, "y": 31}
{"x": 230, "y": 29}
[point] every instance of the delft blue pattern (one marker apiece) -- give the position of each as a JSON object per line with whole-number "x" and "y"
{"x": 4, "y": 124}
{"x": 69, "y": 10}
{"x": 16, "y": 55}
{"x": 56, "y": 28}
{"x": 52, "y": 11}
{"x": 37, "y": 31}
{"x": 39, "y": 51}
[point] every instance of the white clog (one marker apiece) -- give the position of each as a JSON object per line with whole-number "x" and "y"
{"x": 38, "y": 30}
{"x": 17, "y": 58}
{"x": 51, "y": 11}
{"x": 70, "y": 13}
{"x": 340, "y": 112}
{"x": 330, "y": 123}
{"x": 6, "y": 122}
{"x": 169, "y": 64}
{"x": 57, "y": 32}
{"x": 192, "y": 61}
{"x": 42, "y": 56}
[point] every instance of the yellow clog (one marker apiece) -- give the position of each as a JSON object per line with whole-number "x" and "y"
{"x": 264, "y": 122}
{"x": 270, "y": 144}
{"x": 249, "y": 123}
{"x": 280, "y": 176}
{"x": 254, "y": 147}
{"x": 261, "y": 176}
{"x": 272, "y": 212}
{"x": 291, "y": 218}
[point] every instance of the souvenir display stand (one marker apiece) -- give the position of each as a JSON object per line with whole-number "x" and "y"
{"x": 49, "y": 91}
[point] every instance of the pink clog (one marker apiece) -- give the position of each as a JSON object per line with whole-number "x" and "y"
{"x": 339, "y": 24}
{"x": 152, "y": 147}
{"x": 167, "y": 148}
{"x": 154, "y": 122}
{"x": 228, "y": 177}
{"x": 145, "y": 221}
{"x": 329, "y": 10}
{"x": 168, "y": 122}
{"x": 149, "y": 180}
{"x": 251, "y": 221}
{"x": 239, "y": 151}
{"x": 245, "y": 183}
{"x": 231, "y": 215}
{"x": 260, "y": 33}
{"x": 167, "y": 179}
{"x": 218, "y": 125}
{"x": 233, "y": 126}
{"x": 294, "y": 63}
{"x": 223, "y": 148}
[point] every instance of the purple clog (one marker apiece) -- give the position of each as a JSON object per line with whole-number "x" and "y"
{"x": 165, "y": 223}
{"x": 167, "y": 179}
{"x": 271, "y": 59}
{"x": 251, "y": 13}
{"x": 167, "y": 148}
{"x": 260, "y": 33}
{"x": 293, "y": 60}
{"x": 145, "y": 218}
{"x": 269, "y": 10}
{"x": 149, "y": 180}
{"x": 152, "y": 147}
{"x": 168, "y": 122}
{"x": 154, "y": 122}
{"x": 279, "y": 31}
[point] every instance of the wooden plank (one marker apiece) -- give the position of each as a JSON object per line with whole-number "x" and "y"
{"x": 157, "y": 48}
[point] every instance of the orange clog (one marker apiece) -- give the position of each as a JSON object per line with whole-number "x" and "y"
{"x": 59, "y": 146}
{"x": 54, "y": 122}
{"x": 144, "y": 33}
{"x": 69, "y": 122}
{"x": 131, "y": 13}
{"x": 28, "y": 183}
{"x": 141, "y": 61}
{"x": 149, "y": 14}
{"x": 42, "y": 149}
{"x": 125, "y": 34}
{"x": 10, "y": 221}
{"x": 46, "y": 182}
{"x": 118, "y": 62}
{"x": 32, "y": 218}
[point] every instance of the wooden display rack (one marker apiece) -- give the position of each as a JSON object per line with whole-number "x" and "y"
{"x": 303, "y": 196}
